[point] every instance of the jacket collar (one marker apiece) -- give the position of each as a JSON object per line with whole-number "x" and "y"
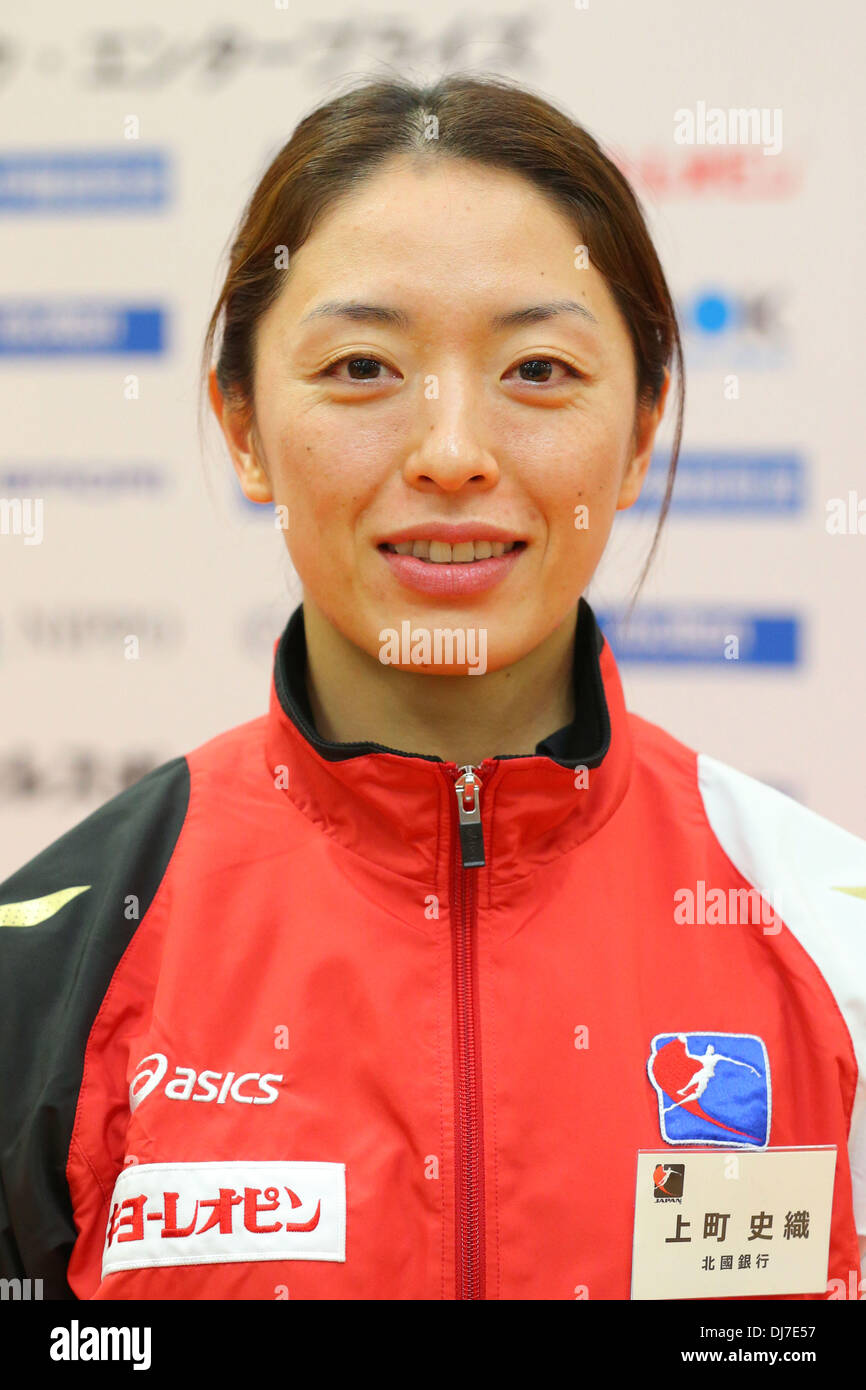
{"x": 398, "y": 809}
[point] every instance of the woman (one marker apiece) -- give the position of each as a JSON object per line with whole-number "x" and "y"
{"x": 379, "y": 995}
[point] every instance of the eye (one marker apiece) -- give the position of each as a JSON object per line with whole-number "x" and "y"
{"x": 366, "y": 368}
{"x": 540, "y": 368}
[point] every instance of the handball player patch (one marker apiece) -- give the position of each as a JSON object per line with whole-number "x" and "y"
{"x": 713, "y": 1088}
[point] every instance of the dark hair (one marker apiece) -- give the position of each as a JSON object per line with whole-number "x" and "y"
{"x": 493, "y": 121}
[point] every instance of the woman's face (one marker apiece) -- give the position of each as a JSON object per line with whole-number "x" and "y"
{"x": 448, "y": 415}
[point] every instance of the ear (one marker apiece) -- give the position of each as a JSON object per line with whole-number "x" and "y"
{"x": 646, "y": 424}
{"x": 240, "y": 436}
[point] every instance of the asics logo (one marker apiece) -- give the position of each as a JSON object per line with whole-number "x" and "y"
{"x": 248, "y": 1088}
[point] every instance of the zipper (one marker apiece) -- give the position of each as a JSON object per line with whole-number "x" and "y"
{"x": 469, "y": 854}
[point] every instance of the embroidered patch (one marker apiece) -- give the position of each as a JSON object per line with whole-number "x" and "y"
{"x": 221, "y": 1213}
{"x": 713, "y": 1088}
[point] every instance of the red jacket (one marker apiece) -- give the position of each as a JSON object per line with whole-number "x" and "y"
{"x": 273, "y": 1025}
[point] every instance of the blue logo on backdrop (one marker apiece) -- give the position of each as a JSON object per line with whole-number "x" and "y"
{"x": 90, "y": 481}
{"x": 712, "y": 1088}
{"x": 690, "y": 634}
{"x": 83, "y": 181}
{"x": 735, "y": 328}
{"x": 715, "y": 481}
{"x": 79, "y": 327}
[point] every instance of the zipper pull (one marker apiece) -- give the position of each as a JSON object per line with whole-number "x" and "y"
{"x": 468, "y": 789}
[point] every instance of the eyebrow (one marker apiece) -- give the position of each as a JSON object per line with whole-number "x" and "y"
{"x": 379, "y": 313}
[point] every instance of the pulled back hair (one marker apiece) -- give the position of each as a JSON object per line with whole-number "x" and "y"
{"x": 493, "y": 121}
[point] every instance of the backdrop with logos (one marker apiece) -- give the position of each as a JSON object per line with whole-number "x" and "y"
{"x": 130, "y": 140}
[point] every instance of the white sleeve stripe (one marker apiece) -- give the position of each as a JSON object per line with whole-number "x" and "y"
{"x": 798, "y": 861}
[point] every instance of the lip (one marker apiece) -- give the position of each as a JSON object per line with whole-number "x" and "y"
{"x": 450, "y": 580}
{"x": 451, "y": 531}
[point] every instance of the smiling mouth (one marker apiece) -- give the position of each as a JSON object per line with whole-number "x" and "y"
{"x": 495, "y": 551}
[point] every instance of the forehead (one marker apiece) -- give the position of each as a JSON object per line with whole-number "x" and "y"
{"x": 464, "y": 197}
{"x": 451, "y": 237}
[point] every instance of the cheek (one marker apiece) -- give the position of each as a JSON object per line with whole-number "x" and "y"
{"x": 586, "y": 475}
{"x": 324, "y": 492}
{"x": 331, "y": 465}
{"x": 310, "y": 482}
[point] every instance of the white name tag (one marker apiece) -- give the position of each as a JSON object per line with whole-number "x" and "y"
{"x": 219, "y": 1213}
{"x": 717, "y": 1224}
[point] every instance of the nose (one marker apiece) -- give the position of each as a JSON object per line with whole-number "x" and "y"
{"x": 450, "y": 451}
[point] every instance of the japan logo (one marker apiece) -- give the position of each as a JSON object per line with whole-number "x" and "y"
{"x": 713, "y": 1088}
{"x": 668, "y": 1179}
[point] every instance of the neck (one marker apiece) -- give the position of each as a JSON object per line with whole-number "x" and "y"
{"x": 461, "y": 719}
